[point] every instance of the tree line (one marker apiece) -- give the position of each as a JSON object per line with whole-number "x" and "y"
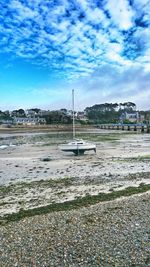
{"x": 98, "y": 113}
{"x": 109, "y": 112}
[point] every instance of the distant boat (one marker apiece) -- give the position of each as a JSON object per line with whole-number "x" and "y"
{"x": 77, "y": 146}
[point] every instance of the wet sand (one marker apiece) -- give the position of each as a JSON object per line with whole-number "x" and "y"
{"x": 119, "y": 162}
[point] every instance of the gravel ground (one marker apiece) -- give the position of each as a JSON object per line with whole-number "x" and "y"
{"x": 107, "y": 234}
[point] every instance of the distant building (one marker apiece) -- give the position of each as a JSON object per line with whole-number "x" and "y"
{"x": 134, "y": 116}
{"x": 28, "y": 121}
{"x": 30, "y": 113}
{"x": 43, "y": 112}
{"x": 81, "y": 115}
{"x": 70, "y": 113}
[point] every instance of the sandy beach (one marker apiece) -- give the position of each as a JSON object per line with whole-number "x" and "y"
{"x": 34, "y": 173}
{"x": 121, "y": 160}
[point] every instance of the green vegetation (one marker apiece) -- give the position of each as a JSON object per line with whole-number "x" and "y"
{"x": 108, "y": 112}
{"x": 49, "y": 139}
{"x": 22, "y": 186}
{"x": 57, "y": 117}
{"x": 99, "y": 137}
{"x": 98, "y": 113}
{"x": 138, "y": 175}
{"x": 5, "y": 115}
{"x": 144, "y": 157}
{"x": 138, "y": 158}
{"x": 75, "y": 204}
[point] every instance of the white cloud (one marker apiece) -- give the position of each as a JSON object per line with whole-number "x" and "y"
{"x": 121, "y": 13}
{"x": 51, "y": 35}
{"x": 77, "y": 39}
{"x": 23, "y": 11}
{"x": 97, "y": 16}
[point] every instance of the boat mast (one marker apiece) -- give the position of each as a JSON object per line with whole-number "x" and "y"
{"x": 73, "y": 121}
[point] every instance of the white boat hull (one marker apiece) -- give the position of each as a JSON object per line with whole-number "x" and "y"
{"x": 77, "y": 148}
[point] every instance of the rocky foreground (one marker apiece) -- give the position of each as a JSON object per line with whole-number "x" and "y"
{"x": 107, "y": 234}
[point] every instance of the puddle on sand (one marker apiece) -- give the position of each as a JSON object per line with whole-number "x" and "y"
{"x": 6, "y": 146}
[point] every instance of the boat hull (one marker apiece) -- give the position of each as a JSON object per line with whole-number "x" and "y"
{"x": 77, "y": 149}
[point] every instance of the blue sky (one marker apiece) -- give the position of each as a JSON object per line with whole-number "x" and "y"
{"x": 101, "y": 48}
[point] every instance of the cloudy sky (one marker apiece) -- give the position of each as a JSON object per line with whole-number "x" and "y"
{"x": 101, "y": 48}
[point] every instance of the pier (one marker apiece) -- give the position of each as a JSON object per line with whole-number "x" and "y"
{"x": 126, "y": 127}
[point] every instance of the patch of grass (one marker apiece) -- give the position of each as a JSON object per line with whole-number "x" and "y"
{"x": 75, "y": 204}
{"x": 66, "y": 181}
{"x": 138, "y": 158}
{"x": 145, "y": 157}
{"x": 99, "y": 137}
{"x": 52, "y": 138}
{"x": 4, "y": 190}
{"x": 21, "y": 187}
{"x": 138, "y": 175}
{"x": 57, "y": 138}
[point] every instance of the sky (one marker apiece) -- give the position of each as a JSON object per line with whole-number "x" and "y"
{"x": 99, "y": 48}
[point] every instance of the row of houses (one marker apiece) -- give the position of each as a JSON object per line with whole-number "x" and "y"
{"x": 29, "y": 121}
{"x": 23, "y": 121}
{"x": 32, "y": 113}
{"x": 34, "y": 116}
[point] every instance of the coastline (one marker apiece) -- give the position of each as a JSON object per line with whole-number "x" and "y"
{"x": 35, "y": 174}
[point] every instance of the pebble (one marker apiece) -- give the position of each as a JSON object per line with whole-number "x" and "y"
{"x": 108, "y": 234}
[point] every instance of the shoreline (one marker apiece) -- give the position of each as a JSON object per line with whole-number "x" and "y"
{"x": 62, "y": 210}
{"x": 34, "y": 159}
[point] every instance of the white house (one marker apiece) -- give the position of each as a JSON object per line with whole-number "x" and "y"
{"x": 134, "y": 116}
{"x": 29, "y": 121}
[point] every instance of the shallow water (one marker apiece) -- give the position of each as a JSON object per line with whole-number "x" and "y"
{"x": 6, "y": 146}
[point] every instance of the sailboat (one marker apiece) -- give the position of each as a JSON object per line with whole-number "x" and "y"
{"x": 77, "y": 146}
